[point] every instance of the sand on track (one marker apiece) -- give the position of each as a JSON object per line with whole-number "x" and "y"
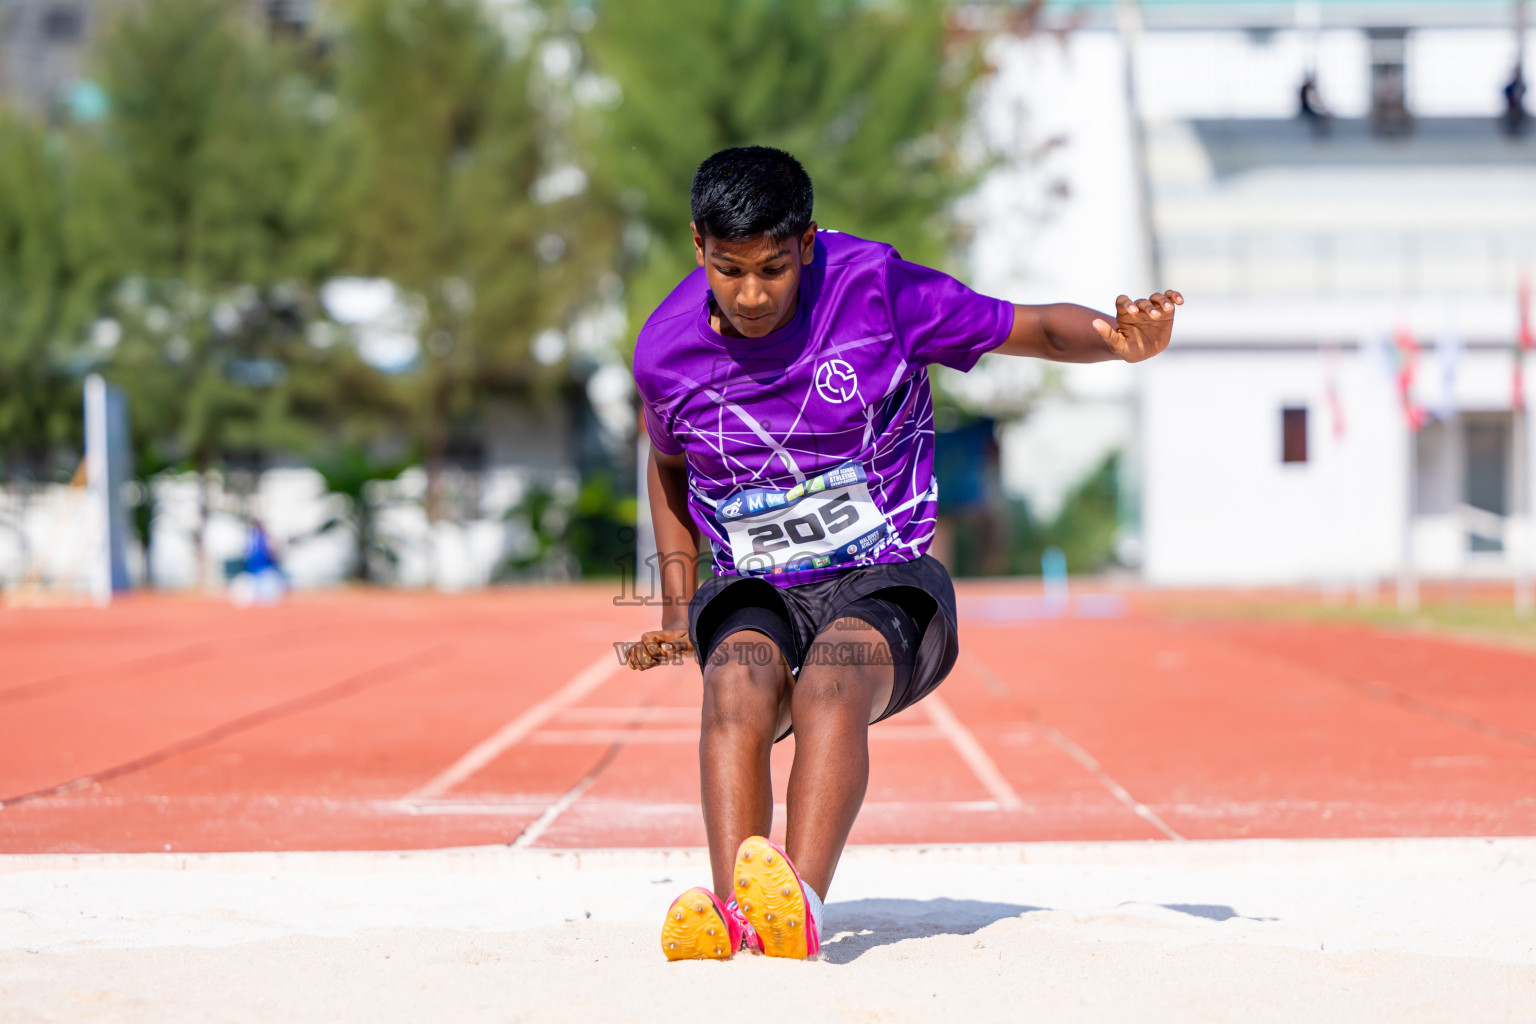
{"x": 1324, "y": 930}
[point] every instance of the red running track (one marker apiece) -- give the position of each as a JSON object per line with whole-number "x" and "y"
{"x": 363, "y": 721}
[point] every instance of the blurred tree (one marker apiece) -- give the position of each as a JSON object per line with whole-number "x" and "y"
{"x": 1085, "y": 529}
{"x": 871, "y": 97}
{"x": 544, "y": 520}
{"x": 144, "y": 504}
{"x": 589, "y": 534}
{"x": 353, "y": 475}
{"x": 460, "y": 195}
{"x": 602, "y": 527}
{"x": 44, "y": 302}
{"x": 214, "y": 225}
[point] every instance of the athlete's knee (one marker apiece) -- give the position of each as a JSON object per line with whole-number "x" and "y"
{"x": 741, "y": 693}
{"x": 833, "y": 692}
{"x": 846, "y": 668}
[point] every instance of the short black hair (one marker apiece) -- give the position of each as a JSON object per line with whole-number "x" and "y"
{"x": 750, "y": 191}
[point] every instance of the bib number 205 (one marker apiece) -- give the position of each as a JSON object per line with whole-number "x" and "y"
{"x": 828, "y": 520}
{"x": 836, "y": 516}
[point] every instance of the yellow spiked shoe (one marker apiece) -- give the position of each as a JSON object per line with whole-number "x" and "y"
{"x": 699, "y": 928}
{"x": 771, "y": 897}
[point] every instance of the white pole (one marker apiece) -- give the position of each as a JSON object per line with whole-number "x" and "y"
{"x": 1407, "y": 572}
{"x": 1525, "y": 600}
{"x": 1524, "y": 450}
{"x": 98, "y": 517}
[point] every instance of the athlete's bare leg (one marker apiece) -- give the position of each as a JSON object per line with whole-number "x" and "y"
{"x": 832, "y": 706}
{"x": 744, "y": 703}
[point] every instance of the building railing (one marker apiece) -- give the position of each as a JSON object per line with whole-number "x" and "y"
{"x": 1327, "y": 263}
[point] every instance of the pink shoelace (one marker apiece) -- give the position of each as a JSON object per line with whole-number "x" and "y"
{"x": 749, "y": 939}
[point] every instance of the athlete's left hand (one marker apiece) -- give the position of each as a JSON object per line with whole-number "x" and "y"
{"x": 1142, "y": 328}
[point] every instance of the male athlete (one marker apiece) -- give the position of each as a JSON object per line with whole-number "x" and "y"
{"x": 785, "y": 391}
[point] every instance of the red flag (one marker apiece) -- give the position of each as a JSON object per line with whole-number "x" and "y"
{"x": 1408, "y": 355}
{"x": 1526, "y": 343}
{"x": 1335, "y": 403}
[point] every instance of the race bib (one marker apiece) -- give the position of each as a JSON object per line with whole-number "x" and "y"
{"x": 827, "y": 520}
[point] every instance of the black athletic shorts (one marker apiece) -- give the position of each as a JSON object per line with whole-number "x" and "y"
{"x": 912, "y": 604}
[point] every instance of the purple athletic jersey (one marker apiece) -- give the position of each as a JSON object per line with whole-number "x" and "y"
{"x": 845, "y": 380}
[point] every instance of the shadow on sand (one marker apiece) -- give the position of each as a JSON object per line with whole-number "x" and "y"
{"x": 1209, "y": 911}
{"x": 858, "y": 926}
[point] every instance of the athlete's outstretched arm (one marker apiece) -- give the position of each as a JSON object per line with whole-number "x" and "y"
{"x": 677, "y": 549}
{"x": 1068, "y": 333}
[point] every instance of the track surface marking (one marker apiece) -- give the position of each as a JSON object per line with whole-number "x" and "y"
{"x": 515, "y": 731}
{"x": 386, "y": 720}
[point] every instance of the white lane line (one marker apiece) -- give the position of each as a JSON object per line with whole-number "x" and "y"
{"x": 983, "y": 671}
{"x": 539, "y": 825}
{"x": 970, "y": 751}
{"x": 464, "y": 808}
{"x": 513, "y": 733}
{"x": 1116, "y": 790}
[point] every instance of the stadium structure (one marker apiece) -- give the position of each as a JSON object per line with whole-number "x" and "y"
{"x": 1346, "y": 192}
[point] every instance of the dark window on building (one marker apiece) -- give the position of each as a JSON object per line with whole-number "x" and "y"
{"x": 62, "y": 24}
{"x": 1487, "y": 475}
{"x": 1293, "y": 435}
{"x": 1489, "y": 441}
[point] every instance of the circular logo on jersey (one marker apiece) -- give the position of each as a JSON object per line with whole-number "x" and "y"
{"x": 836, "y": 381}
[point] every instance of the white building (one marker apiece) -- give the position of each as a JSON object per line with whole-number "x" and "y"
{"x": 1271, "y": 441}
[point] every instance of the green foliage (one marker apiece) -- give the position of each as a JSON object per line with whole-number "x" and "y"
{"x": 143, "y": 505}
{"x": 590, "y": 536}
{"x": 352, "y": 474}
{"x": 446, "y": 142}
{"x": 601, "y": 535}
{"x": 42, "y": 314}
{"x": 870, "y": 96}
{"x": 1084, "y": 529}
{"x": 210, "y": 209}
{"x": 544, "y": 520}
{"x": 178, "y": 242}
{"x": 210, "y": 132}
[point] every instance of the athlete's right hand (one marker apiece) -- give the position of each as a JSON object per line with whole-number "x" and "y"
{"x": 659, "y": 647}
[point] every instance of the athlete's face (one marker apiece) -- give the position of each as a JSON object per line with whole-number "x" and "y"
{"x": 756, "y": 283}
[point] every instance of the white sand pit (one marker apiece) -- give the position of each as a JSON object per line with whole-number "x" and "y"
{"x": 1320, "y": 930}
